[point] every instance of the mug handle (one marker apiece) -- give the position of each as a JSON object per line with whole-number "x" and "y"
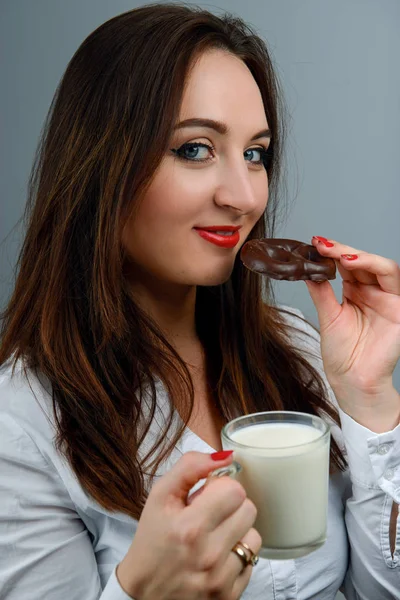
{"x": 230, "y": 471}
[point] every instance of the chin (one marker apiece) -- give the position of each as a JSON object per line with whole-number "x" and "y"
{"x": 214, "y": 278}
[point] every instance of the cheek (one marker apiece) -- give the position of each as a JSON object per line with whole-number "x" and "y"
{"x": 171, "y": 205}
{"x": 176, "y": 197}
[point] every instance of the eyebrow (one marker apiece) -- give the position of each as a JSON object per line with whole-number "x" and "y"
{"x": 218, "y": 126}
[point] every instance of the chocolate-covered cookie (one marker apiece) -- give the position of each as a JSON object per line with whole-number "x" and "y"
{"x": 287, "y": 259}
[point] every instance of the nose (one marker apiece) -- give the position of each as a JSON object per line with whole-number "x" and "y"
{"x": 235, "y": 190}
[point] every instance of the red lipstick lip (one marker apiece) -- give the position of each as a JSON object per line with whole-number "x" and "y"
{"x": 223, "y": 241}
{"x": 220, "y": 228}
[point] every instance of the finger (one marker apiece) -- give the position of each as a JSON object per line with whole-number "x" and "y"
{"x": 367, "y": 297}
{"x": 194, "y": 495}
{"x": 324, "y": 299}
{"x": 253, "y": 540}
{"x": 333, "y": 246}
{"x": 226, "y": 582}
{"x": 239, "y": 573}
{"x": 218, "y": 501}
{"x": 235, "y": 527}
{"x": 355, "y": 265}
{"x": 380, "y": 270}
{"x": 188, "y": 470}
{"x": 241, "y": 583}
{"x": 332, "y": 249}
{"x": 350, "y": 276}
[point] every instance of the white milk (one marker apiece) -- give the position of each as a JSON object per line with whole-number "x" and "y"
{"x": 287, "y": 479}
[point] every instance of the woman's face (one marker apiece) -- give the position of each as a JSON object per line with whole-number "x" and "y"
{"x": 211, "y": 187}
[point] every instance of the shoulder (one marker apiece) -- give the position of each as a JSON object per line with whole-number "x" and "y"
{"x": 28, "y": 432}
{"x": 27, "y": 424}
{"x": 26, "y": 400}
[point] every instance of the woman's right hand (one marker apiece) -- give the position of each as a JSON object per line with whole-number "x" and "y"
{"x": 183, "y": 550}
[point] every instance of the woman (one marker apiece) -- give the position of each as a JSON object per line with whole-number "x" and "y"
{"x": 134, "y": 333}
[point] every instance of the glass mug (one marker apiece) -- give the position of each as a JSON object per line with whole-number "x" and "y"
{"x": 282, "y": 460}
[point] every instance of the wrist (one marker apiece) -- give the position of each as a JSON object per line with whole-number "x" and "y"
{"x": 131, "y": 585}
{"x": 378, "y": 410}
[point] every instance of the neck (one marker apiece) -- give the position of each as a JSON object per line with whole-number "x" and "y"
{"x": 172, "y": 308}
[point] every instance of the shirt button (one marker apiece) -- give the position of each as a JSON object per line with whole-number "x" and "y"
{"x": 383, "y": 449}
{"x": 389, "y": 474}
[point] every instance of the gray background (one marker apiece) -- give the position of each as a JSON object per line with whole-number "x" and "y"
{"x": 338, "y": 62}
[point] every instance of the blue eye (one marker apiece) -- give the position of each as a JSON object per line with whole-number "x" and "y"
{"x": 258, "y": 156}
{"x": 252, "y": 154}
{"x": 194, "y": 152}
{"x": 201, "y": 153}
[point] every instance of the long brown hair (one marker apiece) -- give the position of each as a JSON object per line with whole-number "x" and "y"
{"x": 71, "y": 316}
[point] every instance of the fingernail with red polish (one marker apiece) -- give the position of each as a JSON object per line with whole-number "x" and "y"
{"x": 221, "y": 455}
{"x": 320, "y": 238}
{"x": 327, "y": 244}
{"x": 349, "y": 256}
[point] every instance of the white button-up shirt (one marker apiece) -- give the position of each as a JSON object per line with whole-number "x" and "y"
{"x": 57, "y": 543}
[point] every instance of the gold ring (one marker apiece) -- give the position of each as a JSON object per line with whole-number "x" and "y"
{"x": 241, "y": 554}
{"x": 245, "y": 554}
{"x": 254, "y": 558}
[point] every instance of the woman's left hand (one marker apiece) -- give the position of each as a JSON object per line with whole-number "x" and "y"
{"x": 360, "y": 338}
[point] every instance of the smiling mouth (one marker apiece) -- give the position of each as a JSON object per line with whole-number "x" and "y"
{"x": 223, "y": 236}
